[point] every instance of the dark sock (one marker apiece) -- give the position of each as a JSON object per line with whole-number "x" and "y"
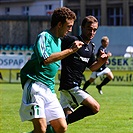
{"x": 104, "y": 82}
{"x": 87, "y": 83}
{"x": 50, "y": 129}
{"x": 79, "y": 114}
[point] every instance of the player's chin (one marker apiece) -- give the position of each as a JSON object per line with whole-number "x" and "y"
{"x": 64, "y": 35}
{"x": 91, "y": 37}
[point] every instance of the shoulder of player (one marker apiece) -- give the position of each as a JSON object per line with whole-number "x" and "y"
{"x": 45, "y": 35}
{"x": 93, "y": 44}
{"x": 68, "y": 40}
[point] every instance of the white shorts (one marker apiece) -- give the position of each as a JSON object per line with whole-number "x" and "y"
{"x": 94, "y": 75}
{"x": 39, "y": 102}
{"x": 72, "y": 98}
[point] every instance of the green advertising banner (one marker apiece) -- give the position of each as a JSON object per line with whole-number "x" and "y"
{"x": 15, "y": 76}
{"x": 120, "y": 63}
{"x": 120, "y": 78}
{"x": 9, "y": 76}
{"x": 121, "y": 67}
{"x": 4, "y": 76}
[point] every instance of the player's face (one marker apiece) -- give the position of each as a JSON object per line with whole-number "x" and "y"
{"x": 105, "y": 43}
{"x": 66, "y": 28}
{"x": 89, "y": 30}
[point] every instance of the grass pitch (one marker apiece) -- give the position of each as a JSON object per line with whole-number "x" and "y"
{"x": 115, "y": 116}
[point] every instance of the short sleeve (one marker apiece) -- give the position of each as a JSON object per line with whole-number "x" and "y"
{"x": 40, "y": 48}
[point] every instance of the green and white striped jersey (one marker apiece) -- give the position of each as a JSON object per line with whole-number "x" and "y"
{"x": 45, "y": 45}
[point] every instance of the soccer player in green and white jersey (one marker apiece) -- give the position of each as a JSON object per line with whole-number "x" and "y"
{"x": 39, "y": 102}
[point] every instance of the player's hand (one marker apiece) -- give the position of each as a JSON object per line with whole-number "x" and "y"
{"x": 103, "y": 57}
{"x": 76, "y": 45}
{"x": 109, "y": 54}
{"x": 107, "y": 62}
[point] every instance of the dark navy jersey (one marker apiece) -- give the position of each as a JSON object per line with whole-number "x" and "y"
{"x": 75, "y": 64}
{"x": 101, "y": 48}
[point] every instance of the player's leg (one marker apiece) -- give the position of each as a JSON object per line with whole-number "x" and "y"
{"x": 109, "y": 77}
{"x": 89, "y": 106}
{"x": 79, "y": 113}
{"x": 59, "y": 125}
{"x": 67, "y": 112}
{"x": 87, "y": 83}
{"x": 55, "y": 116}
{"x": 68, "y": 104}
{"x": 39, "y": 125}
{"x": 75, "y": 97}
{"x": 32, "y": 106}
{"x": 91, "y": 103}
{"x": 56, "y": 125}
{"x": 37, "y": 99}
{"x": 50, "y": 129}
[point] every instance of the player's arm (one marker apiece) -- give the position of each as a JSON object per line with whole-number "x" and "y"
{"x": 109, "y": 55}
{"x": 60, "y": 55}
{"x": 100, "y": 61}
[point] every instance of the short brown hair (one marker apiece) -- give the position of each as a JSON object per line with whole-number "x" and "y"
{"x": 61, "y": 14}
{"x": 89, "y": 19}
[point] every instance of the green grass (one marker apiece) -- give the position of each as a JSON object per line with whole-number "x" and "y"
{"x": 115, "y": 116}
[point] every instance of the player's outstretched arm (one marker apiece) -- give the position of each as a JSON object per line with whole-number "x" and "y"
{"x": 61, "y": 55}
{"x": 101, "y": 60}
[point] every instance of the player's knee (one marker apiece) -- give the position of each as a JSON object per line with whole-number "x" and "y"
{"x": 61, "y": 129}
{"x": 96, "y": 108}
{"x": 112, "y": 77}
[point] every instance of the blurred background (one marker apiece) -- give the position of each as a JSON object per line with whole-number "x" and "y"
{"x": 22, "y": 20}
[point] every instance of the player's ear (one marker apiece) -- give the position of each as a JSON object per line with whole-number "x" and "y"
{"x": 59, "y": 24}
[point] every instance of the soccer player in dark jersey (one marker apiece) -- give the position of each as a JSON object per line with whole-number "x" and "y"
{"x": 72, "y": 68}
{"x": 39, "y": 102}
{"x": 103, "y": 70}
